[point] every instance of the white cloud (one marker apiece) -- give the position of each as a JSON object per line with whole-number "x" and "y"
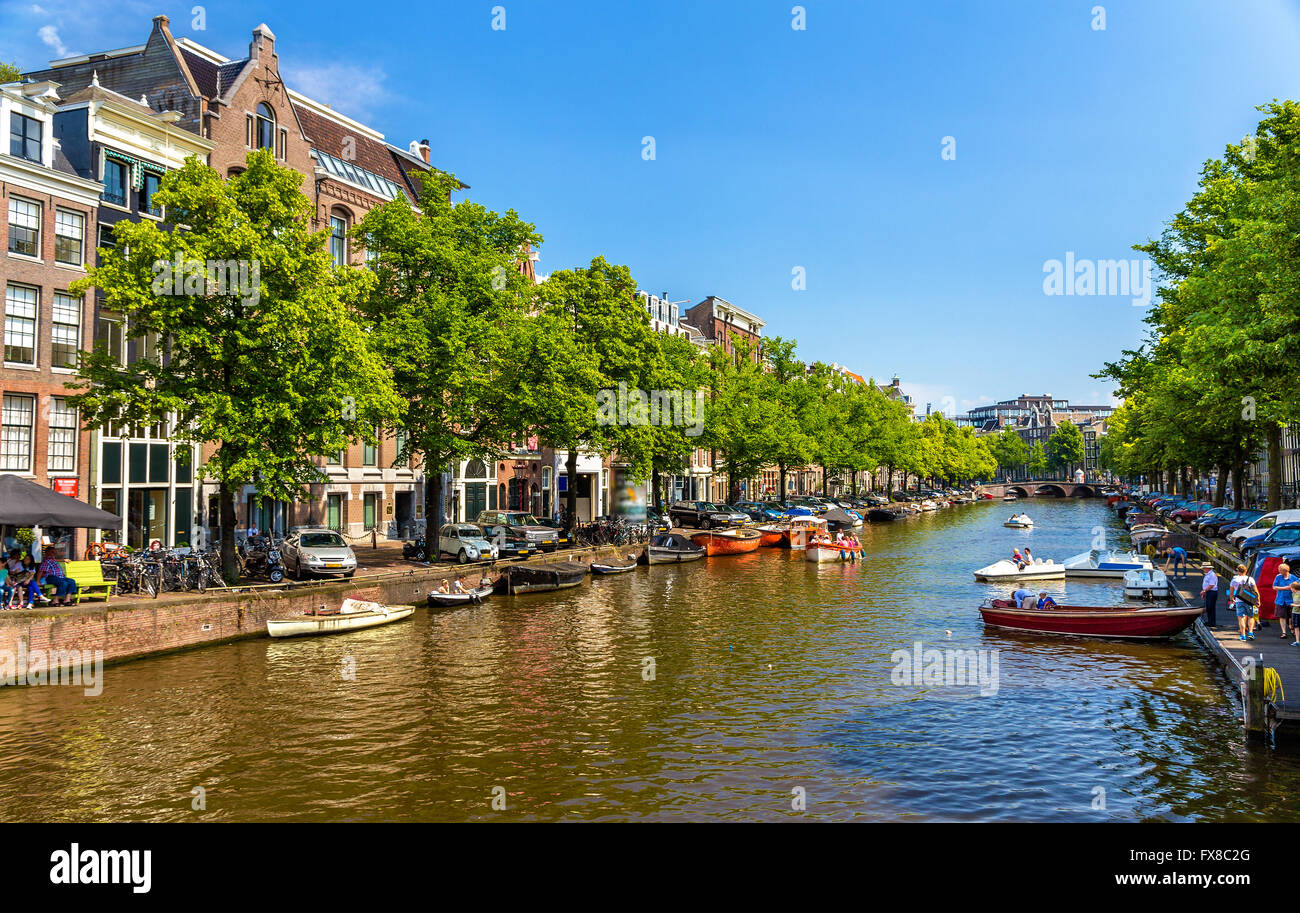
{"x": 347, "y": 88}
{"x": 50, "y": 35}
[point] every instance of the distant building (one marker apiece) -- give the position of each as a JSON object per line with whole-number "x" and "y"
{"x": 722, "y": 323}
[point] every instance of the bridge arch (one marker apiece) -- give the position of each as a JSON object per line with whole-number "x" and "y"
{"x": 1083, "y": 491}
{"x": 1054, "y": 491}
{"x": 1017, "y": 491}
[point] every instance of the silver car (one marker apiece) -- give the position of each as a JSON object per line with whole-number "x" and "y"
{"x": 318, "y": 551}
{"x": 467, "y": 542}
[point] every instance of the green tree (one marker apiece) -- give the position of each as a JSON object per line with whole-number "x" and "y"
{"x": 269, "y": 373}
{"x": 1065, "y": 447}
{"x": 449, "y": 312}
{"x": 1038, "y": 461}
{"x": 600, "y": 337}
{"x": 9, "y": 72}
{"x": 1010, "y": 451}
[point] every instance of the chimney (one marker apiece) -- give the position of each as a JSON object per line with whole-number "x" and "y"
{"x": 424, "y": 150}
{"x": 262, "y": 47}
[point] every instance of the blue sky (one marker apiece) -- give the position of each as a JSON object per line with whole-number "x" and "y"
{"x": 778, "y": 148}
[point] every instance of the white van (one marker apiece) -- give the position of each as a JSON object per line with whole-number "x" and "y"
{"x": 1262, "y": 525}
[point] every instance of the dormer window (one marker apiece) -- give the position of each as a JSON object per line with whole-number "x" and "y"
{"x": 265, "y": 127}
{"x": 25, "y": 137}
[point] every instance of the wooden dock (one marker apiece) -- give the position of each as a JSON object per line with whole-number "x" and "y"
{"x": 1264, "y": 710}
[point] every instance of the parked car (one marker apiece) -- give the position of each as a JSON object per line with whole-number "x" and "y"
{"x": 1191, "y": 511}
{"x": 705, "y": 515}
{"x": 321, "y": 552}
{"x": 519, "y": 525}
{"x": 466, "y": 542}
{"x": 757, "y": 510}
{"x": 1262, "y": 524}
{"x": 1282, "y": 535}
{"x": 1216, "y": 513}
{"x": 561, "y": 534}
{"x": 1263, "y": 567}
{"x": 1233, "y": 519}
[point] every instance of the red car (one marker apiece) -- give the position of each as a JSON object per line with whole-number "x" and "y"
{"x": 1264, "y": 570}
{"x": 1191, "y": 512}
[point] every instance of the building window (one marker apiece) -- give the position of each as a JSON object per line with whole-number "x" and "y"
{"x": 25, "y": 137}
{"x": 334, "y": 513}
{"x": 16, "y": 433}
{"x": 109, "y": 336}
{"x": 24, "y": 227}
{"x": 334, "y": 459}
{"x": 65, "y": 331}
{"x": 370, "y": 453}
{"x": 69, "y": 232}
{"x": 20, "y": 324}
{"x": 265, "y": 127}
{"x": 114, "y": 182}
{"x": 63, "y": 436}
{"x": 339, "y": 240}
{"x": 371, "y": 505}
{"x": 147, "y": 190}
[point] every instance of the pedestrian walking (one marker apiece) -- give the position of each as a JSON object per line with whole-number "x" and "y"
{"x": 1243, "y": 595}
{"x": 1210, "y": 593}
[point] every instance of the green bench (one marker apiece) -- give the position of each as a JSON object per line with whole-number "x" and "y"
{"x": 89, "y": 577}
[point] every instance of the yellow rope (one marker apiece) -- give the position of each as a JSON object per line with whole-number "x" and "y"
{"x": 1273, "y": 685}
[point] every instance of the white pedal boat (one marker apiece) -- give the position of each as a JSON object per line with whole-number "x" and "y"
{"x": 1148, "y": 583}
{"x": 1105, "y": 563}
{"x": 1007, "y": 569}
{"x": 1020, "y": 521}
{"x": 353, "y": 615}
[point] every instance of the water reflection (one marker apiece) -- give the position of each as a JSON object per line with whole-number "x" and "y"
{"x": 769, "y": 673}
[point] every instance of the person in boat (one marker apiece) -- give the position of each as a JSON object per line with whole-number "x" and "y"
{"x": 485, "y": 580}
{"x": 443, "y": 587}
{"x": 1045, "y": 601}
{"x": 459, "y": 586}
{"x": 1021, "y": 596}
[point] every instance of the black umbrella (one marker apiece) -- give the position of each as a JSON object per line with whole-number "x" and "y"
{"x": 24, "y": 503}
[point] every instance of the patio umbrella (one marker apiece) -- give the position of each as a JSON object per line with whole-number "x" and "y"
{"x": 24, "y": 503}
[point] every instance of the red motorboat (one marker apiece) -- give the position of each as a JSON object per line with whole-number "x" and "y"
{"x": 1126, "y": 622}
{"x": 728, "y": 541}
{"x": 771, "y": 535}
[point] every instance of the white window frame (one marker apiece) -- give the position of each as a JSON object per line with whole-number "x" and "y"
{"x": 16, "y": 407}
{"x": 34, "y": 320}
{"x": 22, "y": 220}
{"x": 64, "y": 218}
{"x": 61, "y": 453}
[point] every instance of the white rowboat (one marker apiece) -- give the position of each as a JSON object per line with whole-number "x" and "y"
{"x": 354, "y": 615}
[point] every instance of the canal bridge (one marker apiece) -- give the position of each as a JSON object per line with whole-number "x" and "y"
{"x": 1043, "y": 489}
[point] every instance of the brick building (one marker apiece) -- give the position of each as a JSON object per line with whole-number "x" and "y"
{"x": 48, "y": 215}
{"x": 239, "y": 105}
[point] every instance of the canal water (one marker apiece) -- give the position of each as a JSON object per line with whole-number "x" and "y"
{"x": 740, "y": 688}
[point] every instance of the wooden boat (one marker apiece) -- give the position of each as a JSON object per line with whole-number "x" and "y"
{"x": 540, "y": 578}
{"x": 352, "y": 615}
{"x": 773, "y": 534}
{"x": 728, "y": 541}
{"x": 1147, "y": 583}
{"x": 601, "y": 567}
{"x": 672, "y": 548}
{"x": 1008, "y": 570}
{"x": 801, "y": 529}
{"x": 820, "y": 550}
{"x": 473, "y": 597}
{"x": 1105, "y": 563}
{"x": 1119, "y": 622}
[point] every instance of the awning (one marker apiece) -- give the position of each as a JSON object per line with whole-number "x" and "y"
{"x": 24, "y": 503}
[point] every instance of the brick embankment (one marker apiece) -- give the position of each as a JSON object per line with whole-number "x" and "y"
{"x": 131, "y": 628}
